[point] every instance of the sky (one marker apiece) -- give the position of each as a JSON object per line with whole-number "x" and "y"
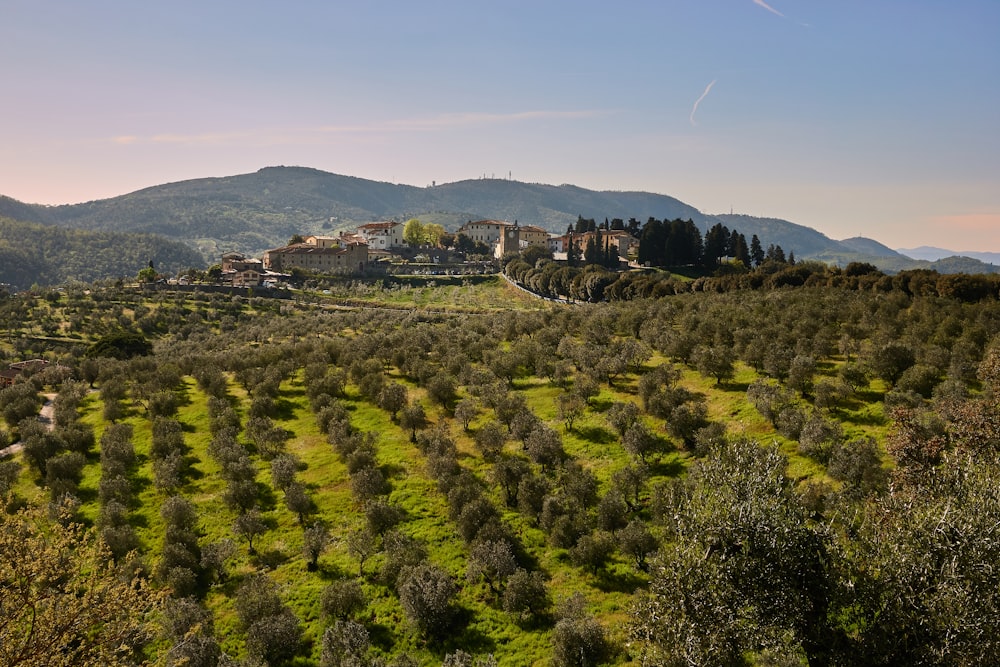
{"x": 876, "y": 118}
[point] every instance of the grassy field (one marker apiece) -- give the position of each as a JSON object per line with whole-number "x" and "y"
{"x": 482, "y": 627}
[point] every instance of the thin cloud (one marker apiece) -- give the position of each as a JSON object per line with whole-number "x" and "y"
{"x": 694, "y": 109}
{"x": 761, "y": 3}
{"x": 309, "y": 134}
{"x": 466, "y": 119}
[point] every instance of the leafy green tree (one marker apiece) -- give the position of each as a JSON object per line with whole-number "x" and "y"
{"x": 190, "y": 630}
{"x": 413, "y": 418}
{"x": 249, "y": 525}
{"x": 466, "y": 410}
{"x": 636, "y": 541}
{"x": 346, "y": 644}
{"x": 578, "y": 639}
{"x": 927, "y": 590}
{"x": 742, "y": 568}
{"x": 491, "y": 561}
{"x": 570, "y": 408}
{"x": 392, "y": 398}
{"x": 273, "y": 631}
{"x": 756, "y": 252}
{"x": 593, "y": 551}
{"x": 343, "y": 599}
{"x": 639, "y": 441}
{"x": 413, "y": 232}
{"x": 62, "y": 604}
{"x": 715, "y": 361}
{"x": 315, "y": 539}
{"x": 427, "y": 594}
{"x": 147, "y": 275}
{"x": 298, "y": 501}
{"x": 525, "y": 594}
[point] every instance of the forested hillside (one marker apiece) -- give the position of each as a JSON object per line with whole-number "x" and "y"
{"x": 32, "y": 253}
{"x": 251, "y": 213}
{"x": 461, "y": 475}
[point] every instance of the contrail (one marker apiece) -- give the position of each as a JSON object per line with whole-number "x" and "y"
{"x": 761, "y": 3}
{"x": 698, "y": 101}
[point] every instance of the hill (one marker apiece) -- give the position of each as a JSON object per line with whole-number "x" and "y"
{"x": 870, "y": 247}
{"x": 932, "y": 254}
{"x": 33, "y": 253}
{"x": 251, "y": 213}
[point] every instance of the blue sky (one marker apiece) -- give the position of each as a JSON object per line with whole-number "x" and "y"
{"x": 875, "y": 118}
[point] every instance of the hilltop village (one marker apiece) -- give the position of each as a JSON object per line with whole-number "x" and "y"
{"x": 376, "y": 247}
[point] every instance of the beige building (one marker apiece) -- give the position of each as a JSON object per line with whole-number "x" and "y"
{"x": 621, "y": 240}
{"x": 323, "y": 241}
{"x": 319, "y": 254}
{"x": 505, "y": 237}
{"x": 234, "y": 261}
{"x": 486, "y": 231}
{"x": 516, "y": 238}
{"x": 382, "y": 235}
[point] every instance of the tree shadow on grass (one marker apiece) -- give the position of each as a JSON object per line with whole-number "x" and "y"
{"x": 269, "y": 558}
{"x": 266, "y": 497}
{"x": 739, "y": 387}
{"x": 190, "y": 472}
{"x": 671, "y": 467}
{"x": 862, "y": 419}
{"x": 619, "y": 581}
{"x": 464, "y": 637}
{"x": 392, "y": 471}
{"x": 183, "y": 395}
{"x": 283, "y": 410}
{"x": 596, "y": 434}
{"x": 600, "y": 404}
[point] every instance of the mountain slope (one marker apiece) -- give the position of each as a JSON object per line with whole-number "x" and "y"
{"x": 33, "y": 253}
{"x": 870, "y": 247}
{"x": 251, "y": 213}
{"x": 932, "y": 254}
{"x": 254, "y": 212}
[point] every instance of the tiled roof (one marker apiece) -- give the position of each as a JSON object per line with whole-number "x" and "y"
{"x": 378, "y": 225}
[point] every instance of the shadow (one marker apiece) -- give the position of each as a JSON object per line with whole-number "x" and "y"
{"x": 669, "y": 468}
{"x": 596, "y": 434}
{"x": 462, "y": 637}
{"x": 740, "y": 387}
{"x": 266, "y": 497}
{"x": 283, "y": 410}
{"x": 381, "y": 636}
{"x": 619, "y": 582}
{"x": 862, "y": 419}
{"x": 183, "y": 395}
{"x": 393, "y": 471}
{"x": 137, "y": 520}
{"x": 330, "y": 572}
{"x": 87, "y": 496}
{"x": 269, "y": 558}
{"x": 600, "y": 404}
{"x": 191, "y": 473}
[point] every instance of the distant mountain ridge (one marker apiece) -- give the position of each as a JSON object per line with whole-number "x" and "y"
{"x": 253, "y": 212}
{"x": 930, "y": 253}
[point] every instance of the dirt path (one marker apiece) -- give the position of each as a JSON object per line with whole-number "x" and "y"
{"x": 45, "y": 415}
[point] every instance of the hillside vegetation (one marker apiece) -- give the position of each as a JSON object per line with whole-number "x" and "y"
{"x": 251, "y": 213}
{"x": 32, "y": 253}
{"x": 462, "y": 475}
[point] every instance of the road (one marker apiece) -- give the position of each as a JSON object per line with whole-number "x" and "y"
{"x": 45, "y": 415}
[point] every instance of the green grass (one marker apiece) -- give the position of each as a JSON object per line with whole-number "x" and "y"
{"x": 484, "y": 627}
